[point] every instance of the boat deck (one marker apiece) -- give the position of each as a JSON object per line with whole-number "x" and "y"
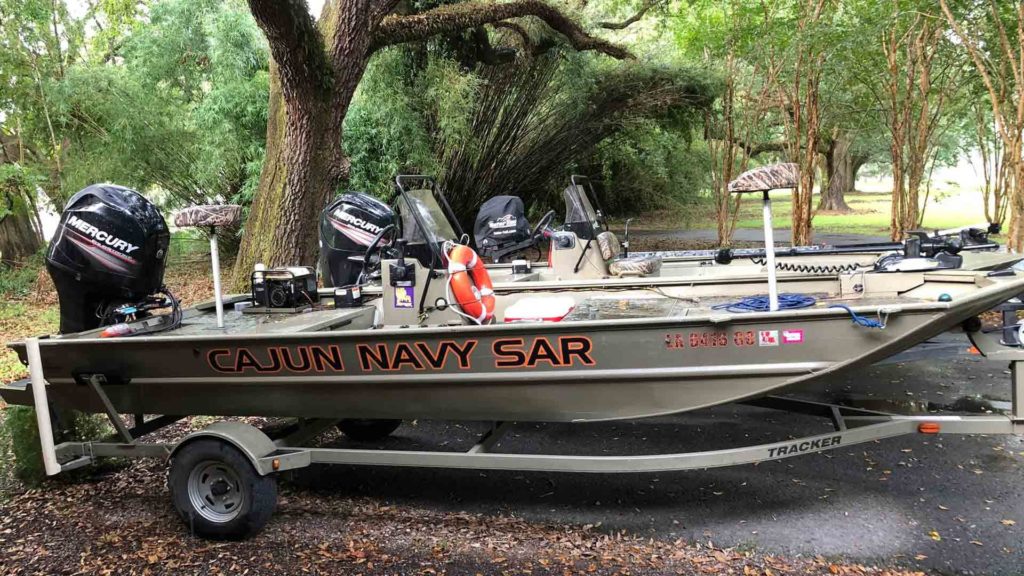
{"x": 618, "y": 308}
{"x": 611, "y": 303}
{"x": 236, "y": 322}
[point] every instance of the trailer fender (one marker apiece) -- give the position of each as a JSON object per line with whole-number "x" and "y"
{"x": 250, "y": 440}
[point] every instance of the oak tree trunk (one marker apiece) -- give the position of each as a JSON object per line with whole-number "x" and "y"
{"x": 840, "y": 175}
{"x": 305, "y": 162}
{"x": 19, "y": 240}
{"x": 294, "y": 185}
{"x": 858, "y": 162}
{"x": 20, "y": 235}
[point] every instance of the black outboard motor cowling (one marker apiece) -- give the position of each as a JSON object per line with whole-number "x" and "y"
{"x": 500, "y": 223}
{"x": 109, "y": 249}
{"x": 347, "y": 228}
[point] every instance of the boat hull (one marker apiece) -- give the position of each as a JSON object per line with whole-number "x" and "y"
{"x": 569, "y": 371}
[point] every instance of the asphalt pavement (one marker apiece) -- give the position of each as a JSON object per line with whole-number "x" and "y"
{"x": 945, "y": 504}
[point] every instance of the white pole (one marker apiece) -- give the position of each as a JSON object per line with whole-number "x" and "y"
{"x": 769, "y": 251}
{"x": 215, "y": 257}
{"x": 35, "y": 372}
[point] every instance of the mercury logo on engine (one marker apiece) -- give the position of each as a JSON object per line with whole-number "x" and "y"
{"x": 357, "y": 221}
{"x": 101, "y": 236}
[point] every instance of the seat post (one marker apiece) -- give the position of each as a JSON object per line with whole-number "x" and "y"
{"x": 769, "y": 252}
{"x": 218, "y": 296}
{"x": 764, "y": 180}
{"x": 212, "y": 217}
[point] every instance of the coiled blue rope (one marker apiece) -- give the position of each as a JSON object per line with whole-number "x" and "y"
{"x": 858, "y": 319}
{"x": 761, "y": 303}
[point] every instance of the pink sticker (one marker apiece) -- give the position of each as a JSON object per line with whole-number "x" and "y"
{"x": 792, "y": 336}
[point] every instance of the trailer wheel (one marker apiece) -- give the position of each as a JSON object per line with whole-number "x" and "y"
{"x": 217, "y": 491}
{"x": 364, "y": 430}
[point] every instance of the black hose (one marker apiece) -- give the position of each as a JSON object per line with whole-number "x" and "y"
{"x": 176, "y": 313}
{"x": 809, "y": 268}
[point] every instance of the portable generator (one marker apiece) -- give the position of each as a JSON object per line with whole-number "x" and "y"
{"x": 290, "y": 287}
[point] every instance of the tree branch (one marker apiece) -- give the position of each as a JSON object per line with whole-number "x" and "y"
{"x": 486, "y": 52}
{"x": 644, "y": 9}
{"x": 757, "y": 148}
{"x": 529, "y": 45}
{"x": 381, "y": 8}
{"x": 295, "y": 43}
{"x": 456, "y": 17}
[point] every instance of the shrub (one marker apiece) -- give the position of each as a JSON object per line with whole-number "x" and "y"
{"x": 19, "y": 438}
{"x": 20, "y": 280}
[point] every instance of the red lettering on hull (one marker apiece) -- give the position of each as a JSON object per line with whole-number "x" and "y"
{"x": 568, "y": 350}
{"x": 416, "y": 355}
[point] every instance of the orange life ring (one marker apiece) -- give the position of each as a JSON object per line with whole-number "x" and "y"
{"x": 470, "y": 283}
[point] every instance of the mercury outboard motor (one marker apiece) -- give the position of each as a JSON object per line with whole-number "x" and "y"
{"x": 109, "y": 249}
{"x": 500, "y": 224}
{"x": 347, "y": 228}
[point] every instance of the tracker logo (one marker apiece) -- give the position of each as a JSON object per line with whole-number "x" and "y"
{"x": 101, "y": 236}
{"x": 805, "y": 446}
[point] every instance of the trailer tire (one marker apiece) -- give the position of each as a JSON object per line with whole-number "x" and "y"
{"x": 366, "y": 430}
{"x": 217, "y": 492}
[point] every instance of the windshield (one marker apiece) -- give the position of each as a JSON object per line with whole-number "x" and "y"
{"x": 422, "y": 202}
{"x": 579, "y": 212}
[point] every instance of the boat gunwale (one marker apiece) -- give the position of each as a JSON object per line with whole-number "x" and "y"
{"x": 704, "y": 316}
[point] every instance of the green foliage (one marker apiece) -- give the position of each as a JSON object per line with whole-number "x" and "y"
{"x": 523, "y": 127}
{"x": 16, "y": 184}
{"x": 648, "y": 167}
{"x": 19, "y": 281}
{"x": 385, "y": 131}
{"x": 171, "y": 98}
{"x": 20, "y": 434}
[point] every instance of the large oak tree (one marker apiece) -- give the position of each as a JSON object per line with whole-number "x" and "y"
{"x": 315, "y": 70}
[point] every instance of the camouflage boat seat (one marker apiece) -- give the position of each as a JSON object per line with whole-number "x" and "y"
{"x": 209, "y": 216}
{"x": 611, "y": 251}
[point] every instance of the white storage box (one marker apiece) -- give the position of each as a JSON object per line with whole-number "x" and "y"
{"x": 540, "y": 309}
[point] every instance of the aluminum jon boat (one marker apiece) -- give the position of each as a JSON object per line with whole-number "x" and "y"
{"x": 357, "y": 229}
{"x": 626, "y": 354}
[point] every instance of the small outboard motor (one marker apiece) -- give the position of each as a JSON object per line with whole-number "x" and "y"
{"x": 109, "y": 249}
{"x": 347, "y": 228}
{"x": 500, "y": 224}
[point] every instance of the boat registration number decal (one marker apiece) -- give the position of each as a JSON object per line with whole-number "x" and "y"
{"x": 505, "y": 353}
{"x": 739, "y": 338}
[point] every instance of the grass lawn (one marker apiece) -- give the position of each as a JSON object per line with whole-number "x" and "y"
{"x": 948, "y": 207}
{"x": 870, "y": 213}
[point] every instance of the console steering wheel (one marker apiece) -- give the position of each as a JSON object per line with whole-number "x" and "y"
{"x": 544, "y": 222}
{"x": 375, "y": 252}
